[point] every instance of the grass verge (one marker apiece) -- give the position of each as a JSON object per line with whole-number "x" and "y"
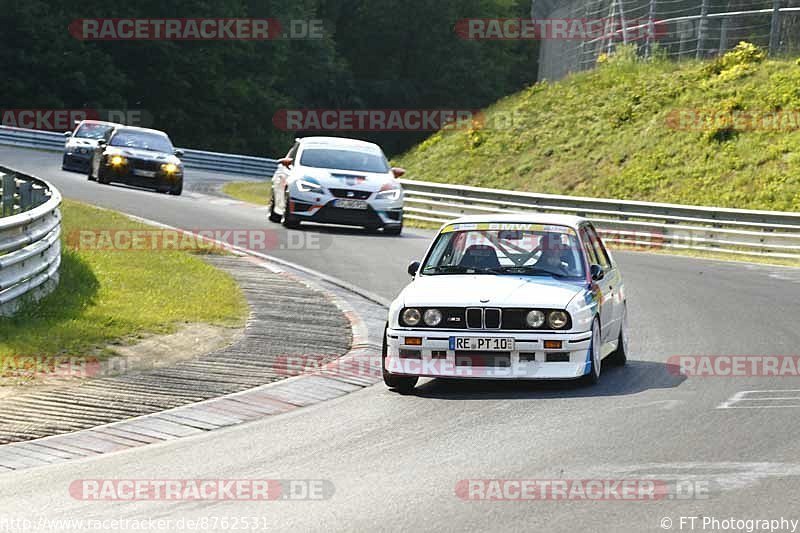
{"x": 109, "y": 296}
{"x": 254, "y": 192}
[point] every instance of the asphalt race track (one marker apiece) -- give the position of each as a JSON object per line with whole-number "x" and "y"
{"x": 395, "y": 461}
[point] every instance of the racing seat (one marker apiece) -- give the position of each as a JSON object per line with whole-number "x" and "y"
{"x": 480, "y": 256}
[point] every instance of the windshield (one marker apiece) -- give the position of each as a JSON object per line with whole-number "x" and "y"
{"x": 142, "y": 140}
{"x": 92, "y": 131}
{"x": 344, "y": 160}
{"x": 513, "y": 249}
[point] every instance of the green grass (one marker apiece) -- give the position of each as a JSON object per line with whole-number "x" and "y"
{"x": 607, "y": 133}
{"x": 110, "y": 296}
{"x": 255, "y": 192}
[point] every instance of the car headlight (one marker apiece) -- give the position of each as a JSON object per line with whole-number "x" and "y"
{"x": 390, "y": 192}
{"x": 557, "y": 319}
{"x": 432, "y": 317}
{"x": 535, "y": 319}
{"x": 117, "y": 161}
{"x": 169, "y": 168}
{"x": 306, "y": 185}
{"x": 411, "y": 316}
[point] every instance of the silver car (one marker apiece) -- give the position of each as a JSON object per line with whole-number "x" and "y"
{"x": 337, "y": 181}
{"x": 81, "y": 143}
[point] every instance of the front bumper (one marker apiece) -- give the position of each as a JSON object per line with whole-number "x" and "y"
{"x": 125, "y": 174}
{"x": 74, "y": 160}
{"x": 322, "y": 208}
{"x": 529, "y": 360}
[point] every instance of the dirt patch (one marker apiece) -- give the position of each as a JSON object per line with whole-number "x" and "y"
{"x": 152, "y": 351}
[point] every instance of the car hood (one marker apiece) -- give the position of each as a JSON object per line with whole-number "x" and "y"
{"x": 500, "y": 291}
{"x": 144, "y": 155}
{"x": 351, "y": 179}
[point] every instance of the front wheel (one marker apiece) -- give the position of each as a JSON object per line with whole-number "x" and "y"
{"x": 395, "y": 382}
{"x": 177, "y": 189}
{"x": 393, "y": 230}
{"x": 102, "y": 177}
{"x": 289, "y": 220}
{"x": 594, "y": 356}
{"x": 273, "y": 216}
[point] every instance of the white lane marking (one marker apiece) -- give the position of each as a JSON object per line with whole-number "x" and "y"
{"x": 726, "y": 475}
{"x": 741, "y": 399}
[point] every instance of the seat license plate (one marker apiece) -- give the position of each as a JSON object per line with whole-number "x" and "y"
{"x": 351, "y": 204}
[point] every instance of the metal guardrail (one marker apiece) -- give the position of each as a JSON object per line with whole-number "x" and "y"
{"x": 642, "y": 225}
{"x": 192, "y": 159}
{"x": 30, "y": 244}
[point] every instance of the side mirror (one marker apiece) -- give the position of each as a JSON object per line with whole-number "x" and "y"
{"x": 597, "y": 272}
{"x": 67, "y": 134}
{"x": 102, "y": 142}
{"x": 178, "y": 153}
{"x": 398, "y": 172}
{"x": 413, "y": 268}
{"x": 286, "y": 161}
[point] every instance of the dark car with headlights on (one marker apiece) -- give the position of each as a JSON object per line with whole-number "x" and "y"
{"x": 140, "y": 157}
{"x": 81, "y": 143}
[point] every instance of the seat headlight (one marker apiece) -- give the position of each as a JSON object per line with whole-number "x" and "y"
{"x": 432, "y": 317}
{"x": 306, "y": 185}
{"x": 557, "y": 319}
{"x": 389, "y": 192}
{"x": 535, "y": 319}
{"x": 411, "y": 316}
{"x": 117, "y": 161}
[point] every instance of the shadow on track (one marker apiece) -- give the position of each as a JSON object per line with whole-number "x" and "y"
{"x": 635, "y": 377}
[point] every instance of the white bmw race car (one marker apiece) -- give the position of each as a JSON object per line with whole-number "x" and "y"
{"x": 338, "y": 181}
{"x": 508, "y": 297}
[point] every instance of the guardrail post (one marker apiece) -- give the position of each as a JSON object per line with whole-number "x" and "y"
{"x": 38, "y": 196}
{"x": 9, "y": 188}
{"x": 25, "y": 195}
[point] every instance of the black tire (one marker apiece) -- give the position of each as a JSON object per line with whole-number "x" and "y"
{"x": 620, "y": 356}
{"x": 177, "y": 189}
{"x": 273, "y": 216}
{"x": 102, "y": 177}
{"x": 401, "y": 384}
{"x": 393, "y": 230}
{"x": 289, "y": 220}
{"x": 593, "y": 377}
{"x": 89, "y": 175}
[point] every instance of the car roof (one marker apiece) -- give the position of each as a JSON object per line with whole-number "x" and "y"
{"x": 141, "y": 130}
{"x": 101, "y": 122}
{"x": 571, "y": 221}
{"x": 341, "y": 142}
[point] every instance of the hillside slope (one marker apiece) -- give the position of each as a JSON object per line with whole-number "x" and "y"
{"x": 638, "y": 129}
